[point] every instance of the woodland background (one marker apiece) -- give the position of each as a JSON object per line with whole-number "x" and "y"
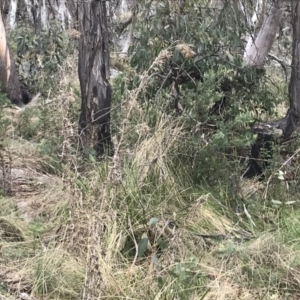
{"x": 167, "y": 214}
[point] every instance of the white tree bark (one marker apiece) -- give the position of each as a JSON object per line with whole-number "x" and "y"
{"x": 63, "y": 14}
{"x": 9, "y": 82}
{"x": 257, "y": 11}
{"x": 69, "y": 18}
{"x": 258, "y": 49}
{"x": 255, "y": 21}
{"x": 4, "y": 54}
{"x": 38, "y": 11}
{"x": 39, "y": 14}
{"x": 126, "y": 42}
{"x": 12, "y": 14}
{"x": 60, "y": 11}
{"x": 44, "y": 14}
{"x": 257, "y": 16}
{"x": 124, "y": 12}
{"x": 27, "y": 4}
{"x": 124, "y": 6}
{"x": 121, "y": 9}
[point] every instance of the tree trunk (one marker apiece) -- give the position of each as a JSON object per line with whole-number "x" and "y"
{"x": 284, "y": 128}
{"x": 63, "y": 14}
{"x": 257, "y": 50}
{"x": 44, "y": 14}
{"x": 39, "y": 14}
{"x": 93, "y": 68}
{"x": 125, "y": 15}
{"x": 12, "y": 13}
{"x": 27, "y": 7}
{"x": 8, "y": 75}
{"x": 72, "y": 12}
{"x": 24, "y": 12}
{"x": 36, "y": 15}
{"x": 4, "y": 10}
{"x": 256, "y": 21}
{"x": 294, "y": 86}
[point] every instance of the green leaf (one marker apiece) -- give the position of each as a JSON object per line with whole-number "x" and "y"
{"x": 153, "y": 221}
{"x": 160, "y": 281}
{"x": 162, "y": 244}
{"x": 136, "y": 80}
{"x": 142, "y": 246}
{"x": 122, "y": 88}
{"x": 280, "y": 175}
{"x": 219, "y": 135}
{"x": 276, "y": 202}
{"x": 289, "y": 202}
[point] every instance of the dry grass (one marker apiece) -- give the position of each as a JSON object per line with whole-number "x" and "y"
{"x": 76, "y": 233}
{"x": 151, "y": 152}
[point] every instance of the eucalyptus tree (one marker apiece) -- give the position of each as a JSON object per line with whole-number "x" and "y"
{"x": 9, "y": 81}
{"x": 12, "y": 12}
{"x": 37, "y": 12}
{"x": 266, "y": 19}
{"x": 123, "y": 15}
{"x": 94, "y": 74}
{"x": 281, "y": 130}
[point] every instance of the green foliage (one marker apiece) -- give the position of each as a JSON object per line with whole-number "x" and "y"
{"x": 142, "y": 246}
{"x": 4, "y": 100}
{"x": 28, "y": 125}
{"x": 39, "y": 125}
{"x": 40, "y": 56}
{"x": 188, "y": 280}
{"x": 36, "y": 229}
{"x": 205, "y": 54}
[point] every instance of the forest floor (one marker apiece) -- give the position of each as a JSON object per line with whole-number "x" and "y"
{"x": 138, "y": 225}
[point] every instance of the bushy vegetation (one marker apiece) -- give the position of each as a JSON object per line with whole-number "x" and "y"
{"x": 167, "y": 217}
{"x": 40, "y": 57}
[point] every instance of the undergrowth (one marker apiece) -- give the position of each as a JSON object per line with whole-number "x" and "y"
{"x": 166, "y": 217}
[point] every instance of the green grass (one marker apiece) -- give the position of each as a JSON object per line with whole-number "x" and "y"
{"x": 158, "y": 220}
